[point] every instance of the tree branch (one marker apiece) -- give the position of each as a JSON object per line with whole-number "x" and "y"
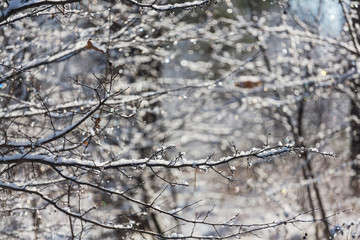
{"x": 17, "y": 6}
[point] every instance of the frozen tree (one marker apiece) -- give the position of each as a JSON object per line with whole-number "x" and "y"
{"x": 178, "y": 119}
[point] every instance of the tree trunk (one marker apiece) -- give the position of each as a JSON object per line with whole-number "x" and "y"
{"x": 354, "y": 107}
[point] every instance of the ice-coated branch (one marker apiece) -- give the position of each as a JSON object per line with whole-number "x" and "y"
{"x": 258, "y": 153}
{"x": 54, "y": 203}
{"x": 170, "y": 7}
{"x": 17, "y": 6}
{"x": 243, "y": 229}
{"x": 56, "y": 135}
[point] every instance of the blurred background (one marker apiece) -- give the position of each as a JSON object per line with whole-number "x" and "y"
{"x": 210, "y": 81}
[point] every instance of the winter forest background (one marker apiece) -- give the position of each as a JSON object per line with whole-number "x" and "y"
{"x": 169, "y": 119}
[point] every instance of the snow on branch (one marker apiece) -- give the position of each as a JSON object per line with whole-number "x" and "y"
{"x": 169, "y": 7}
{"x": 243, "y": 228}
{"x": 17, "y": 6}
{"x": 56, "y": 205}
{"x": 179, "y": 162}
{"x": 56, "y": 135}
